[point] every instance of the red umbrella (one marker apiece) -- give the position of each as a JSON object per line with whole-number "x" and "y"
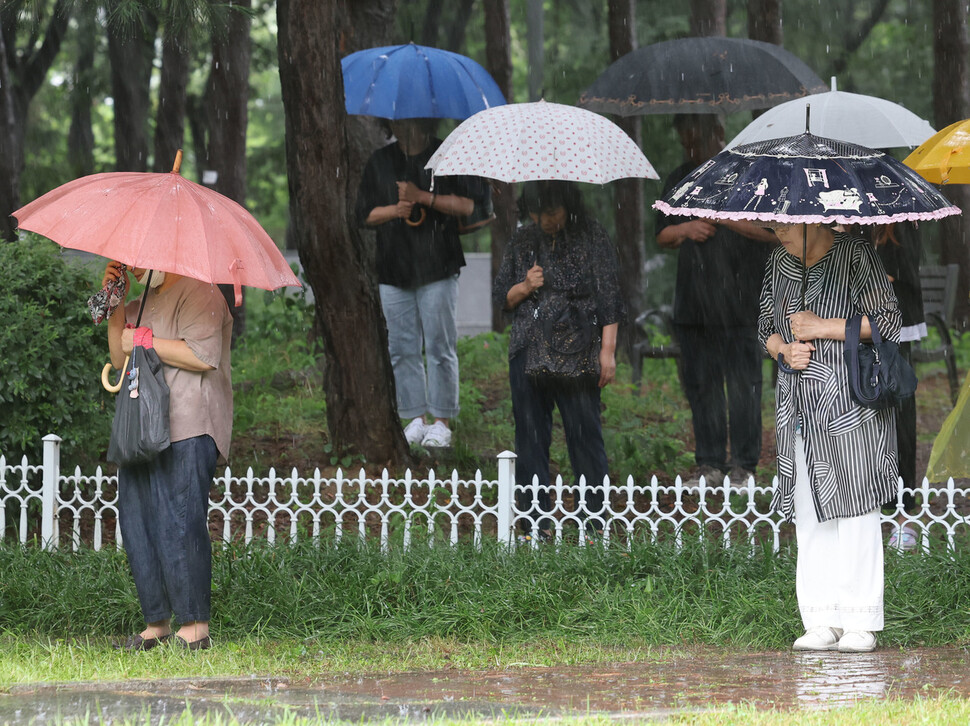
{"x": 161, "y": 221}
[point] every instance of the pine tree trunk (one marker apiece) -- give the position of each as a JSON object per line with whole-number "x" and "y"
{"x": 708, "y": 17}
{"x": 172, "y": 96}
{"x": 498, "y": 59}
{"x": 627, "y": 193}
{"x": 131, "y": 49}
{"x": 951, "y": 103}
{"x": 358, "y": 379}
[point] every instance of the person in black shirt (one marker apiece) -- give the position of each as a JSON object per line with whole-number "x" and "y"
{"x": 720, "y": 266}
{"x": 564, "y": 255}
{"x": 419, "y": 256}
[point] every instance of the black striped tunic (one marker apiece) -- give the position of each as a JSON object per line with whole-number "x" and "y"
{"x": 851, "y": 450}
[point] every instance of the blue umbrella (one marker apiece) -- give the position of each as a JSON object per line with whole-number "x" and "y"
{"x": 414, "y": 81}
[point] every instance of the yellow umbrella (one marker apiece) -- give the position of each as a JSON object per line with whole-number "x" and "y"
{"x": 944, "y": 158}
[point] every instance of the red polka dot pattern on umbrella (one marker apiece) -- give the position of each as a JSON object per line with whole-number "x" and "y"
{"x": 535, "y": 141}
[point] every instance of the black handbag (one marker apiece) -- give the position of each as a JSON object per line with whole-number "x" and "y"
{"x": 140, "y": 429}
{"x": 879, "y": 377}
{"x": 567, "y": 344}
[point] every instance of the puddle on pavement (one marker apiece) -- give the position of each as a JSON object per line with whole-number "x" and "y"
{"x": 676, "y": 680}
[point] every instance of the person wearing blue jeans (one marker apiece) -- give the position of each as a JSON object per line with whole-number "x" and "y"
{"x": 419, "y": 256}
{"x": 421, "y": 322}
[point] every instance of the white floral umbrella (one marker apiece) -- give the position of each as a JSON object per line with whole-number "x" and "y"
{"x": 538, "y": 141}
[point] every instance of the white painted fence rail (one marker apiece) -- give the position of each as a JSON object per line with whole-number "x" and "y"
{"x": 38, "y": 503}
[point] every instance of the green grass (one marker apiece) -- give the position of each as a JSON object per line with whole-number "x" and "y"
{"x": 702, "y": 594}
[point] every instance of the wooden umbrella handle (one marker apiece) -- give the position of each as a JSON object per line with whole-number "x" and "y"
{"x": 420, "y": 219}
{"x": 104, "y": 377}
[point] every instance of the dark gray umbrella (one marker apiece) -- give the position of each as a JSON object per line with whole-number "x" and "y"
{"x": 701, "y": 75}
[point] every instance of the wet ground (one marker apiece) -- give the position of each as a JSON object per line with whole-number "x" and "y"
{"x": 698, "y": 679}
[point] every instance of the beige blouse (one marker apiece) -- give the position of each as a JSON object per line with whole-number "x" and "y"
{"x": 196, "y": 312}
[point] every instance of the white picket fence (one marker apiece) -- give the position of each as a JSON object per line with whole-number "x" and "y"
{"x": 39, "y": 503}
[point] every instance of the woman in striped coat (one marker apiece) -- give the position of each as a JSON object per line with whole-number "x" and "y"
{"x": 837, "y": 461}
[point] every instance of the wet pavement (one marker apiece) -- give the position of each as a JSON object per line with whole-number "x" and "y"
{"x": 673, "y": 681}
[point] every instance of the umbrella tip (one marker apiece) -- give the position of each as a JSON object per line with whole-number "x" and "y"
{"x": 833, "y": 84}
{"x": 178, "y": 162}
{"x": 808, "y": 117}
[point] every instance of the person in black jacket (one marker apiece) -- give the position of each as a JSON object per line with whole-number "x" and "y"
{"x": 720, "y": 266}
{"x": 899, "y": 249}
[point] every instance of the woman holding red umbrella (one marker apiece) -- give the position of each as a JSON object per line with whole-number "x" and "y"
{"x": 163, "y": 504}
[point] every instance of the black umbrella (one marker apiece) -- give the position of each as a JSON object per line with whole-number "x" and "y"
{"x": 701, "y": 75}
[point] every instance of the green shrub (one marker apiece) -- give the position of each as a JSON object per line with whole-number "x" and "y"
{"x": 51, "y": 355}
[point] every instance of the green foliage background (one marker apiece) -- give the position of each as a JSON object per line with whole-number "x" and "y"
{"x": 51, "y": 354}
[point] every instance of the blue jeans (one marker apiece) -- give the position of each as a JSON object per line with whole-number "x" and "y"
{"x": 425, "y": 318}
{"x": 579, "y": 406}
{"x": 163, "y": 508}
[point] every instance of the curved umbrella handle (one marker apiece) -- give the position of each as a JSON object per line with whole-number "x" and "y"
{"x": 784, "y": 366}
{"x": 420, "y": 218}
{"x": 104, "y": 377}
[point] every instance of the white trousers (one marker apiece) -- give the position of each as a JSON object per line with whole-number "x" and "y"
{"x": 839, "y": 576}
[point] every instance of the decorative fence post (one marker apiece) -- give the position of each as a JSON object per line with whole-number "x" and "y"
{"x": 52, "y": 475}
{"x": 506, "y": 483}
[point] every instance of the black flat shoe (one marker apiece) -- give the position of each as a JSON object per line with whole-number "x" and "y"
{"x": 203, "y": 643}
{"x": 136, "y": 643}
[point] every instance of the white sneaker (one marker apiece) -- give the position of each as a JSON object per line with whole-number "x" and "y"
{"x": 414, "y": 432}
{"x": 857, "y": 641}
{"x": 437, "y": 436}
{"x": 819, "y": 638}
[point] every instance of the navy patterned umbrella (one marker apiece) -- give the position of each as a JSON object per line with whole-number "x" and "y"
{"x": 806, "y": 179}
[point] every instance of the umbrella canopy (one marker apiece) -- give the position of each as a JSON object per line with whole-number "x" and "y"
{"x": 535, "y": 141}
{"x": 160, "y": 221}
{"x": 414, "y": 81}
{"x": 865, "y": 120}
{"x": 945, "y": 157}
{"x": 701, "y": 75}
{"x": 806, "y": 179}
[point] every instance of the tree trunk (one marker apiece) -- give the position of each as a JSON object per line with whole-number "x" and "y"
{"x": 951, "y": 103}
{"x": 22, "y": 72}
{"x": 131, "y": 49}
{"x": 498, "y": 60}
{"x": 627, "y": 193}
{"x": 358, "y": 379}
{"x": 227, "y": 99}
{"x": 535, "y": 38}
{"x": 11, "y": 139}
{"x": 764, "y": 21}
{"x": 80, "y": 135}
{"x": 708, "y": 17}
{"x": 172, "y": 96}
